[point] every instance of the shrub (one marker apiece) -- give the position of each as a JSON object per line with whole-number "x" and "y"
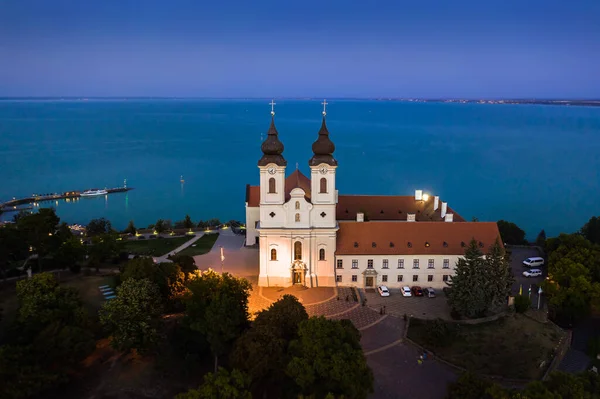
{"x": 440, "y": 333}
{"x": 455, "y": 315}
{"x": 522, "y": 303}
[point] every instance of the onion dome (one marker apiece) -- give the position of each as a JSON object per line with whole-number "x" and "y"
{"x": 323, "y": 148}
{"x": 272, "y": 148}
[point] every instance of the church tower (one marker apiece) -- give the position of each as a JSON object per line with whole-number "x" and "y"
{"x": 322, "y": 177}
{"x": 272, "y": 177}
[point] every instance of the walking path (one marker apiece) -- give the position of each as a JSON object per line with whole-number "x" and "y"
{"x": 164, "y": 258}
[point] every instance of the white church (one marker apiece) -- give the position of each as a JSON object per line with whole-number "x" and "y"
{"x": 310, "y": 235}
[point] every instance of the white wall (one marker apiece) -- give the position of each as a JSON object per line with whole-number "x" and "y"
{"x": 393, "y": 271}
{"x": 252, "y": 216}
{"x": 278, "y": 272}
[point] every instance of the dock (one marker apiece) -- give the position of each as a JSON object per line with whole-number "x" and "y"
{"x": 13, "y": 205}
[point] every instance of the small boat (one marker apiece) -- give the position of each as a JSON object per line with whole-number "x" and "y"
{"x": 181, "y": 179}
{"x": 93, "y": 192}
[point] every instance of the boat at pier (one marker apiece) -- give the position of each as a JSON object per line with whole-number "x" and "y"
{"x": 93, "y": 192}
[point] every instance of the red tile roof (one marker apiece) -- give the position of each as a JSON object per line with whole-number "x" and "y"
{"x": 390, "y": 207}
{"x": 295, "y": 180}
{"x": 413, "y": 238}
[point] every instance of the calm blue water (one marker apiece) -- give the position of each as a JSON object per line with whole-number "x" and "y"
{"x": 535, "y": 165}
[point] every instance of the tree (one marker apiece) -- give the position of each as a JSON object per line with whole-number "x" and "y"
{"x": 42, "y": 301}
{"x": 499, "y": 276}
{"x": 104, "y": 247}
{"x": 186, "y": 263}
{"x": 159, "y": 226}
{"x": 187, "y": 222}
{"x": 468, "y": 294}
{"x": 591, "y": 230}
{"x": 221, "y": 385}
{"x": 327, "y": 358}
{"x": 262, "y": 351}
{"x": 133, "y": 317}
{"x": 167, "y": 276}
{"x": 573, "y": 285}
{"x": 13, "y": 248}
{"x": 522, "y": 303}
{"x": 540, "y": 241}
{"x": 511, "y": 233}
{"x": 130, "y": 229}
{"x": 70, "y": 253}
{"x": 98, "y": 227}
{"x": 217, "y": 307}
{"x": 39, "y": 229}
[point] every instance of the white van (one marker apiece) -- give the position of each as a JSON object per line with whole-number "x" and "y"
{"x": 535, "y": 261}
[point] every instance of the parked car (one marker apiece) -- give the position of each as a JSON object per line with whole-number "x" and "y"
{"x": 534, "y": 261}
{"x": 406, "y": 291}
{"x": 417, "y": 291}
{"x": 532, "y": 273}
{"x": 429, "y": 292}
{"x": 383, "y": 290}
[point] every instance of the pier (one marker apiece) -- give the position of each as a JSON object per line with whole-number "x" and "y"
{"x": 13, "y": 205}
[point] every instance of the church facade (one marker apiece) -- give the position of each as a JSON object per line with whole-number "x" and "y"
{"x": 308, "y": 234}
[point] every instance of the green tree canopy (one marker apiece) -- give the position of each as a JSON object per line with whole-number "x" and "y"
{"x": 511, "y": 233}
{"x": 160, "y": 226}
{"x": 42, "y": 301}
{"x": 327, "y": 358}
{"x": 70, "y": 253}
{"x": 221, "y": 385}
{"x": 167, "y": 276}
{"x": 130, "y": 229}
{"x": 187, "y": 222}
{"x": 591, "y": 230}
{"x": 217, "y": 307}
{"x": 262, "y": 351}
{"x": 133, "y": 317}
{"x": 39, "y": 229}
{"x": 14, "y": 248}
{"x": 540, "y": 241}
{"x": 186, "y": 263}
{"x": 98, "y": 227}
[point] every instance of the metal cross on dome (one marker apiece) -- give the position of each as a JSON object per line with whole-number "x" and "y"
{"x": 272, "y": 104}
{"x": 324, "y": 103}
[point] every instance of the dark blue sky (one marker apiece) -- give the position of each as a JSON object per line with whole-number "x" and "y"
{"x": 327, "y": 48}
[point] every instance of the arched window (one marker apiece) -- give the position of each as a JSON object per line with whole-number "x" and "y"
{"x": 273, "y": 254}
{"x": 297, "y": 217}
{"x": 272, "y": 185}
{"x": 297, "y": 204}
{"x": 322, "y": 254}
{"x": 323, "y": 188}
{"x": 297, "y": 250}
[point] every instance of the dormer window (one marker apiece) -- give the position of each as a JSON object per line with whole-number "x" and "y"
{"x": 381, "y": 211}
{"x": 391, "y": 244}
{"x": 445, "y": 244}
{"x": 480, "y": 244}
{"x": 374, "y": 244}
{"x": 462, "y": 244}
{"x": 427, "y": 244}
{"x": 355, "y": 244}
{"x": 409, "y": 244}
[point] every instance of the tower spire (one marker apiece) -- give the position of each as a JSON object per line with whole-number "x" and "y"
{"x": 272, "y": 104}
{"x": 272, "y": 148}
{"x": 323, "y": 147}
{"x": 324, "y": 103}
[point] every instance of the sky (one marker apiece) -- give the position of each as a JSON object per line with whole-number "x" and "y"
{"x": 327, "y": 48}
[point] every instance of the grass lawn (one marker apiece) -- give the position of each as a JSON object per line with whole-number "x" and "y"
{"x": 202, "y": 246}
{"x": 512, "y": 347}
{"x": 154, "y": 246}
{"x": 88, "y": 289}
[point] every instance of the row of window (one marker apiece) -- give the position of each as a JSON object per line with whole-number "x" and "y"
{"x": 322, "y": 187}
{"x": 385, "y": 264}
{"x": 400, "y": 278}
{"x": 298, "y": 252}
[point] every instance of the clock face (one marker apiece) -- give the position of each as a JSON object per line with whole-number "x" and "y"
{"x": 271, "y": 170}
{"x": 323, "y": 170}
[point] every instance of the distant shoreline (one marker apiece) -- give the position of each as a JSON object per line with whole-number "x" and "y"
{"x": 563, "y": 102}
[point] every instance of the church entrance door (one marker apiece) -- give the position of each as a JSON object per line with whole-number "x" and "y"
{"x": 369, "y": 282}
{"x": 297, "y": 278}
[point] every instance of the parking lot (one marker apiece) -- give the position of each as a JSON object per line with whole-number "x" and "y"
{"x": 421, "y": 307}
{"x": 517, "y": 258}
